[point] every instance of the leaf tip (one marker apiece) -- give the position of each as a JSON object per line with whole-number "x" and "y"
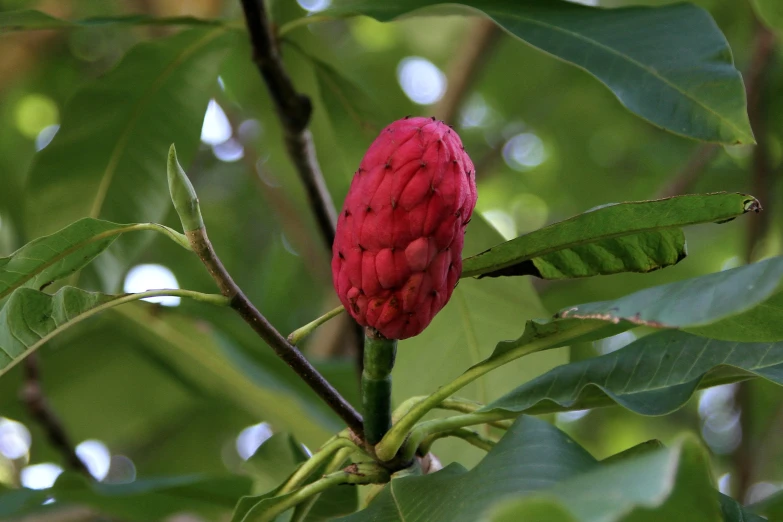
{"x": 183, "y": 195}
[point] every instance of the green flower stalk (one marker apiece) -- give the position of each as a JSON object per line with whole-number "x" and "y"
{"x": 379, "y": 355}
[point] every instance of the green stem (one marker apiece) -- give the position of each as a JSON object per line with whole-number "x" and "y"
{"x": 471, "y": 437}
{"x": 393, "y": 440}
{"x": 379, "y": 354}
{"x": 364, "y": 473}
{"x": 303, "y": 509}
{"x": 308, "y": 467}
{"x": 300, "y": 22}
{"x": 452, "y": 404}
{"x": 430, "y": 428}
{"x": 300, "y": 333}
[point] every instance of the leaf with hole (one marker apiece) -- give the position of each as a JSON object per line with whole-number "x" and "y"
{"x": 670, "y": 65}
{"x": 626, "y": 237}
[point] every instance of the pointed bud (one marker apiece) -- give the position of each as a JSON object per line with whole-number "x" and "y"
{"x": 183, "y": 195}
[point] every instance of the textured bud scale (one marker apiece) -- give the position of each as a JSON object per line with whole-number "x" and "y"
{"x": 397, "y": 254}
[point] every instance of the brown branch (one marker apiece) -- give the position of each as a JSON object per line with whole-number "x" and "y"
{"x": 762, "y": 175}
{"x": 463, "y": 71}
{"x": 745, "y": 456}
{"x": 285, "y": 350}
{"x": 33, "y": 397}
{"x": 294, "y": 110}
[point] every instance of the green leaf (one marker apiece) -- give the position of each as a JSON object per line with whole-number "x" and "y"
{"x": 47, "y": 259}
{"x": 116, "y": 159}
{"x": 31, "y": 20}
{"x": 657, "y": 486}
{"x": 670, "y": 65}
{"x": 741, "y": 304}
{"x": 536, "y": 461}
{"x": 30, "y": 317}
{"x": 217, "y": 366}
{"x": 654, "y": 375}
{"x": 465, "y": 333}
{"x": 344, "y": 99}
{"x": 770, "y": 12}
{"x": 142, "y": 500}
{"x": 733, "y": 511}
{"x": 637, "y": 236}
{"x": 635, "y": 451}
{"x": 640, "y": 253}
{"x": 273, "y": 463}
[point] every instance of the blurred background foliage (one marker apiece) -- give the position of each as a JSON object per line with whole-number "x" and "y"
{"x": 173, "y": 388}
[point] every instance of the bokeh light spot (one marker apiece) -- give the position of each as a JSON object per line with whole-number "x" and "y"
{"x": 40, "y": 476}
{"x": 251, "y": 438}
{"x": 141, "y": 278}
{"x": 96, "y": 457}
{"x": 15, "y": 439}
{"x": 216, "y": 128}
{"x": 421, "y": 80}
{"x": 524, "y": 151}
{"x": 313, "y": 6}
{"x": 46, "y": 136}
{"x": 502, "y": 221}
{"x": 35, "y": 112}
{"x": 229, "y": 151}
{"x": 373, "y": 35}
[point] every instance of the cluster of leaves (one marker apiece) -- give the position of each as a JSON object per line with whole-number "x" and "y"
{"x": 716, "y": 329}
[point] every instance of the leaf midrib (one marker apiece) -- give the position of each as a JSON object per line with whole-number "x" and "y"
{"x": 120, "y": 146}
{"x": 65, "y": 253}
{"x": 626, "y": 57}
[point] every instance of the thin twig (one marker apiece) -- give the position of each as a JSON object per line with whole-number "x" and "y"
{"x": 762, "y": 175}
{"x": 744, "y": 457}
{"x": 285, "y": 350}
{"x": 38, "y": 406}
{"x": 469, "y": 60}
{"x": 294, "y": 110}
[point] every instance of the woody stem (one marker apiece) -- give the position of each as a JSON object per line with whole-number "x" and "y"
{"x": 379, "y": 354}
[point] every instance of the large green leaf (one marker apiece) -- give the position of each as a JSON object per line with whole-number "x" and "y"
{"x": 31, "y": 20}
{"x": 662, "y": 485}
{"x": 30, "y": 317}
{"x": 654, "y": 375}
{"x": 142, "y": 500}
{"x": 536, "y": 458}
{"x": 770, "y": 11}
{"x": 466, "y": 332}
{"x": 671, "y": 65}
{"x": 214, "y": 364}
{"x": 741, "y": 304}
{"x": 49, "y": 258}
{"x": 638, "y": 236}
{"x": 109, "y": 154}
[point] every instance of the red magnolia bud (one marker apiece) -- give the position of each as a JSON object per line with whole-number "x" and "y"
{"x": 397, "y": 254}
